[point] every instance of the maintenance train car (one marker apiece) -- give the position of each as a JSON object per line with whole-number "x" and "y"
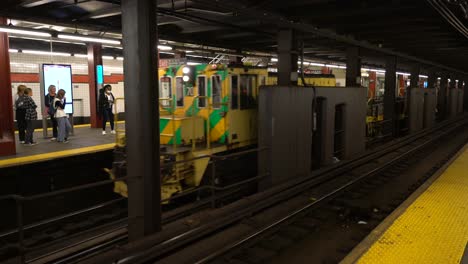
{"x": 204, "y": 110}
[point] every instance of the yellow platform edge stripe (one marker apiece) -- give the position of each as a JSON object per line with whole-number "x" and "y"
{"x": 430, "y": 227}
{"x": 75, "y": 126}
{"x": 54, "y": 155}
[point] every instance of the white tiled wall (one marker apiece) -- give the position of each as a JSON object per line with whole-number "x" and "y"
{"x": 29, "y": 63}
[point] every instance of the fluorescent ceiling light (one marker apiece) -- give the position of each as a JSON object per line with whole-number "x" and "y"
{"x": 23, "y": 31}
{"x": 403, "y": 73}
{"x": 107, "y": 57}
{"x": 335, "y": 66}
{"x": 423, "y": 76}
{"x": 274, "y": 59}
{"x": 81, "y": 55}
{"x": 36, "y": 3}
{"x": 39, "y": 52}
{"x": 170, "y": 53}
{"x": 316, "y": 64}
{"x": 13, "y": 50}
{"x": 164, "y": 47}
{"x": 89, "y": 39}
{"x": 120, "y": 58}
{"x": 193, "y": 63}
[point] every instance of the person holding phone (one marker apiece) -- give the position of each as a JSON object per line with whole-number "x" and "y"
{"x": 64, "y": 126}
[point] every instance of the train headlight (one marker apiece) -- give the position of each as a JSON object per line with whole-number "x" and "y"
{"x": 185, "y": 78}
{"x": 186, "y": 70}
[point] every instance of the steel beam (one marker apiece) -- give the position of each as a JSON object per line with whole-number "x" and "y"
{"x": 389, "y": 95}
{"x": 287, "y": 57}
{"x": 353, "y": 67}
{"x": 94, "y": 59}
{"x": 442, "y": 97}
{"x": 142, "y": 116}
{"x": 7, "y": 130}
{"x": 465, "y": 94}
{"x": 432, "y": 79}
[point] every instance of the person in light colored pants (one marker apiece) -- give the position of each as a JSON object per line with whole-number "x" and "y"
{"x": 64, "y": 126}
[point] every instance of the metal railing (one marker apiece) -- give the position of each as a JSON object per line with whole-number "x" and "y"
{"x": 21, "y": 200}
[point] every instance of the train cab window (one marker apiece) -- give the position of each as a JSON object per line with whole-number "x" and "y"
{"x": 165, "y": 91}
{"x": 216, "y": 91}
{"x": 234, "y": 92}
{"x": 201, "y": 84}
{"x": 248, "y": 84}
{"x": 179, "y": 82}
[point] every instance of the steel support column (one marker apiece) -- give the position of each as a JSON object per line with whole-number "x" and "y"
{"x": 442, "y": 97}
{"x": 390, "y": 117}
{"x": 414, "y": 84}
{"x": 353, "y": 67}
{"x": 287, "y": 57}
{"x": 142, "y": 123}
{"x": 465, "y": 94}
{"x": 94, "y": 59}
{"x": 432, "y": 79}
{"x": 7, "y": 130}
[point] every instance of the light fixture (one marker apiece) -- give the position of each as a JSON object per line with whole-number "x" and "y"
{"x": 403, "y": 73}
{"x": 335, "y": 66}
{"x": 316, "y": 64}
{"x": 164, "y": 47}
{"x": 107, "y": 57}
{"x": 13, "y": 50}
{"x": 193, "y": 63}
{"x": 89, "y": 39}
{"x": 274, "y": 59}
{"x": 185, "y": 78}
{"x": 81, "y": 55}
{"x": 24, "y": 31}
{"x": 39, "y": 52}
{"x": 186, "y": 70}
{"x": 423, "y": 76}
{"x": 120, "y": 58}
{"x": 163, "y": 52}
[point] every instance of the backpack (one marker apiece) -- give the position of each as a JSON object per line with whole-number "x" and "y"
{"x": 52, "y": 109}
{"x": 19, "y": 103}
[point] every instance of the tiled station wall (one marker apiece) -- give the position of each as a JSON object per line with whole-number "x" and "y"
{"x": 25, "y": 70}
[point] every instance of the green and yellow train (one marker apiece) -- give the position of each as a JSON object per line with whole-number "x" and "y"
{"x": 204, "y": 110}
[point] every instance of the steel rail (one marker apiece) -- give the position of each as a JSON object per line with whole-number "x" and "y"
{"x": 192, "y": 235}
{"x": 317, "y": 202}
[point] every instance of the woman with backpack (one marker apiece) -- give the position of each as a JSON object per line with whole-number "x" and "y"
{"x": 20, "y": 112}
{"x": 49, "y": 101}
{"x": 64, "y": 126}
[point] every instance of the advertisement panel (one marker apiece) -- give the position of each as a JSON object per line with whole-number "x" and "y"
{"x": 61, "y": 76}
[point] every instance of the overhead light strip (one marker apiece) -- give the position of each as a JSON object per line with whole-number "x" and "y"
{"x": 22, "y": 31}
{"x": 38, "y": 52}
{"x": 89, "y": 39}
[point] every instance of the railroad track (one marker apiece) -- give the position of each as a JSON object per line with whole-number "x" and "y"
{"x": 242, "y": 229}
{"x": 257, "y": 220}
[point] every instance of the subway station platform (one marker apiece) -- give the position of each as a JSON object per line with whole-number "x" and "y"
{"x": 85, "y": 140}
{"x": 430, "y": 227}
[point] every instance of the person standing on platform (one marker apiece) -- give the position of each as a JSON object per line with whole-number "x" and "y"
{"x": 49, "y": 101}
{"x": 106, "y": 101}
{"x": 64, "y": 126}
{"x": 20, "y": 112}
{"x": 30, "y": 116}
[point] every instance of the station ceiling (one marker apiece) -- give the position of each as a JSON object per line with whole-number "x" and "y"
{"x": 431, "y": 31}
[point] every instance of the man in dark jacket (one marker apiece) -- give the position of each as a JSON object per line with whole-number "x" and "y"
{"x": 49, "y": 99}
